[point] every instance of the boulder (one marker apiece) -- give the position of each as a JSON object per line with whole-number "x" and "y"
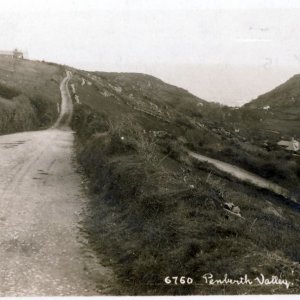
{"x": 228, "y": 205}
{"x": 236, "y": 210}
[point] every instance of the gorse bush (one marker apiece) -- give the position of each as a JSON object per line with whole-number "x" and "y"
{"x": 23, "y": 113}
{"x": 46, "y": 112}
{"x": 8, "y": 92}
{"x": 87, "y": 123}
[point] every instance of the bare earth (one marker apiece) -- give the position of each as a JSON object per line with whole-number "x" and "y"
{"x": 42, "y": 250}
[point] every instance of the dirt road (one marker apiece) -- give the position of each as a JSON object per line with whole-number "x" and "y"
{"x": 242, "y": 174}
{"x": 42, "y": 250}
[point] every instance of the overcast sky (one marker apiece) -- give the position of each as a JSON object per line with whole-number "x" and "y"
{"x": 228, "y": 51}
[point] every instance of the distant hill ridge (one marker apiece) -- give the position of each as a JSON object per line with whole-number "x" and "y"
{"x": 286, "y": 94}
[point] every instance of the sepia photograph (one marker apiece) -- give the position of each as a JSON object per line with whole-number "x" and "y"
{"x": 149, "y": 148}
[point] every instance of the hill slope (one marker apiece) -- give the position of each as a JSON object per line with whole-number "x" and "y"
{"x": 154, "y": 211}
{"x": 29, "y": 94}
{"x": 279, "y": 109}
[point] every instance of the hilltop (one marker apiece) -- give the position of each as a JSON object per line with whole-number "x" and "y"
{"x": 279, "y": 109}
{"x": 285, "y": 95}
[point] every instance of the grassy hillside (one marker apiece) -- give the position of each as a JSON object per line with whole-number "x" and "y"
{"x": 255, "y": 129}
{"x": 285, "y": 95}
{"x": 154, "y": 212}
{"x": 282, "y": 116}
{"x": 249, "y": 135}
{"x": 29, "y": 94}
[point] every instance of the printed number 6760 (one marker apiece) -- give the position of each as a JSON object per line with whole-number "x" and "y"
{"x": 178, "y": 280}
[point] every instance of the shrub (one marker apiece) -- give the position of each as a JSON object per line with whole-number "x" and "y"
{"x": 45, "y": 110}
{"x": 8, "y": 92}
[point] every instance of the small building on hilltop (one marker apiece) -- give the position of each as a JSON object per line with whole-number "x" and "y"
{"x": 17, "y": 54}
{"x": 292, "y": 145}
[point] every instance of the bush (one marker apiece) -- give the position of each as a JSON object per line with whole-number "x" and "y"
{"x": 8, "y": 92}
{"x": 20, "y": 115}
{"x": 87, "y": 123}
{"x": 45, "y": 110}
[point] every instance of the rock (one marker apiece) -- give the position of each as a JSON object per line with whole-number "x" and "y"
{"x": 228, "y": 205}
{"x": 236, "y": 210}
{"x": 232, "y": 208}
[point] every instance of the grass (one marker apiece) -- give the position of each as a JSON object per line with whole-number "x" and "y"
{"x": 29, "y": 94}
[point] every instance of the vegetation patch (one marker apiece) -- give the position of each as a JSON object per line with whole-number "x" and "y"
{"x": 29, "y": 95}
{"x": 154, "y": 214}
{"x": 8, "y": 92}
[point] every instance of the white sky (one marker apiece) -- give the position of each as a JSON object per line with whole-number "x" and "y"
{"x": 199, "y": 45}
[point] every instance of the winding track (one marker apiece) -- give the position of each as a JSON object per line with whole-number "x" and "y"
{"x": 42, "y": 251}
{"x": 242, "y": 174}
